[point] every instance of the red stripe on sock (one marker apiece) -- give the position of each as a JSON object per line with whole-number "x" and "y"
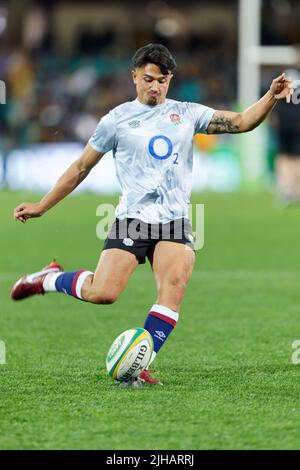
{"x": 75, "y": 282}
{"x": 164, "y": 318}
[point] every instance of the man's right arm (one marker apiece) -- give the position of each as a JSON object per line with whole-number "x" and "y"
{"x": 72, "y": 177}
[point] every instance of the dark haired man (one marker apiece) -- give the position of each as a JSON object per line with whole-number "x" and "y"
{"x": 152, "y": 143}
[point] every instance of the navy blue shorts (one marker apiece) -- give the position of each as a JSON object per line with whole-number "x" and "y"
{"x": 139, "y": 238}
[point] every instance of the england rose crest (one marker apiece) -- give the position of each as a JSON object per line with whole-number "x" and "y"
{"x": 175, "y": 118}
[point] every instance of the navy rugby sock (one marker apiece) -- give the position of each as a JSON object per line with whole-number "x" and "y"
{"x": 70, "y": 282}
{"x": 160, "y": 323}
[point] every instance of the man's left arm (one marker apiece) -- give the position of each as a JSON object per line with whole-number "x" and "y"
{"x": 228, "y": 122}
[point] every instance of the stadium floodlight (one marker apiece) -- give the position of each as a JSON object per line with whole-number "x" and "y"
{"x": 252, "y": 55}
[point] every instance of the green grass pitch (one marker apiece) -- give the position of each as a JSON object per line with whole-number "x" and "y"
{"x": 229, "y": 382}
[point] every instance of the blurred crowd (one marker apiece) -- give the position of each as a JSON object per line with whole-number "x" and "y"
{"x": 55, "y": 97}
{"x": 52, "y": 98}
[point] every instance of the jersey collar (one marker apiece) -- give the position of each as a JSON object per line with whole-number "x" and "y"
{"x": 146, "y": 106}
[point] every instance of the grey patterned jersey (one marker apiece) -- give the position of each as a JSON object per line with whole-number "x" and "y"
{"x": 153, "y": 151}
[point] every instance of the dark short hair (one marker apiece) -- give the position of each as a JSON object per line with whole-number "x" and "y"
{"x": 155, "y": 54}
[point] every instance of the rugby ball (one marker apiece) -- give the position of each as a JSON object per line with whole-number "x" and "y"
{"x": 129, "y": 354}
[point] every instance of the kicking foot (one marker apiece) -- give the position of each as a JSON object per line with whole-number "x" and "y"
{"x": 146, "y": 377}
{"x": 32, "y": 284}
{"x": 142, "y": 379}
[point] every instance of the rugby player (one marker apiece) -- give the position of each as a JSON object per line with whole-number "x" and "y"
{"x": 151, "y": 139}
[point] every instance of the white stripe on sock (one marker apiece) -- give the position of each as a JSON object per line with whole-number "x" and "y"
{"x": 165, "y": 311}
{"x": 152, "y": 358}
{"x": 81, "y": 278}
{"x": 49, "y": 282}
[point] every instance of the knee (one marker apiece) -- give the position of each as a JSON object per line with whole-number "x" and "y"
{"x": 104, "y": 298}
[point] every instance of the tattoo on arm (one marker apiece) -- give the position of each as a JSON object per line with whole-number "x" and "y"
{"x": 220, "y": 124}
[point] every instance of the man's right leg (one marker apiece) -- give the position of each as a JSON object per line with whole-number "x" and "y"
{"x": 104, "y": 287}
{"x": 111, "y": 276}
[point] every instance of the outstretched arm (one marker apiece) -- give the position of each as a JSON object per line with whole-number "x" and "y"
{"x": 227, "y": 122}
{"x": 72, "y": 177}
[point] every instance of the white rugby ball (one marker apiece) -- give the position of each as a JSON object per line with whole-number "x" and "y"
{"x": 129, "y": 354}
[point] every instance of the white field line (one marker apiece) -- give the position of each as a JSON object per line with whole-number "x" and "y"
{"x": 237, "y": 274}
{"x": 211, "y": 274}
{"x": 9, "y": 276}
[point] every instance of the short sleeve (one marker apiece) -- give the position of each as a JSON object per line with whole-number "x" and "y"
{"x": 202, "y": 116}
{"x": 104, "y": 138}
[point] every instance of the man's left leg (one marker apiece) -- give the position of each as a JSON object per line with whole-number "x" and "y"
{"x": 172, "y": 265}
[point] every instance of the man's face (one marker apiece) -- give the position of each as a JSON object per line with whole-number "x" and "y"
{"x": 151, "y": 85}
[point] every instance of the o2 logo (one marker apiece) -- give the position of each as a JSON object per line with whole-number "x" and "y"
{"x": 161, "y": 148}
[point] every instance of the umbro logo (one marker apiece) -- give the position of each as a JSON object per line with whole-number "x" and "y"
{"x": 128, "y": 242}
{"x": 160, "y": 335}
{"x": 134, "y": 124}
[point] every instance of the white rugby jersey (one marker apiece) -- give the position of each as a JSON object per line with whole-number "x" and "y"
{"x": 153, "y": 152}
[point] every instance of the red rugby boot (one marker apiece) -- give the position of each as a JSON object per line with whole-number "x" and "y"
{"x": 146, "y": 377}
{"x": 32, "y": 284}
{"x": 141, "y": 380}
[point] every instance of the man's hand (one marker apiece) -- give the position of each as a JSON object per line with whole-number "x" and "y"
{"x": 27, "y": 210}
{"x": 281, "y": 88}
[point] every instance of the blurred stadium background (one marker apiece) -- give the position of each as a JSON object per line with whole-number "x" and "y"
{"x": 65, "y": 64}
{"x": 228, "y": 378}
